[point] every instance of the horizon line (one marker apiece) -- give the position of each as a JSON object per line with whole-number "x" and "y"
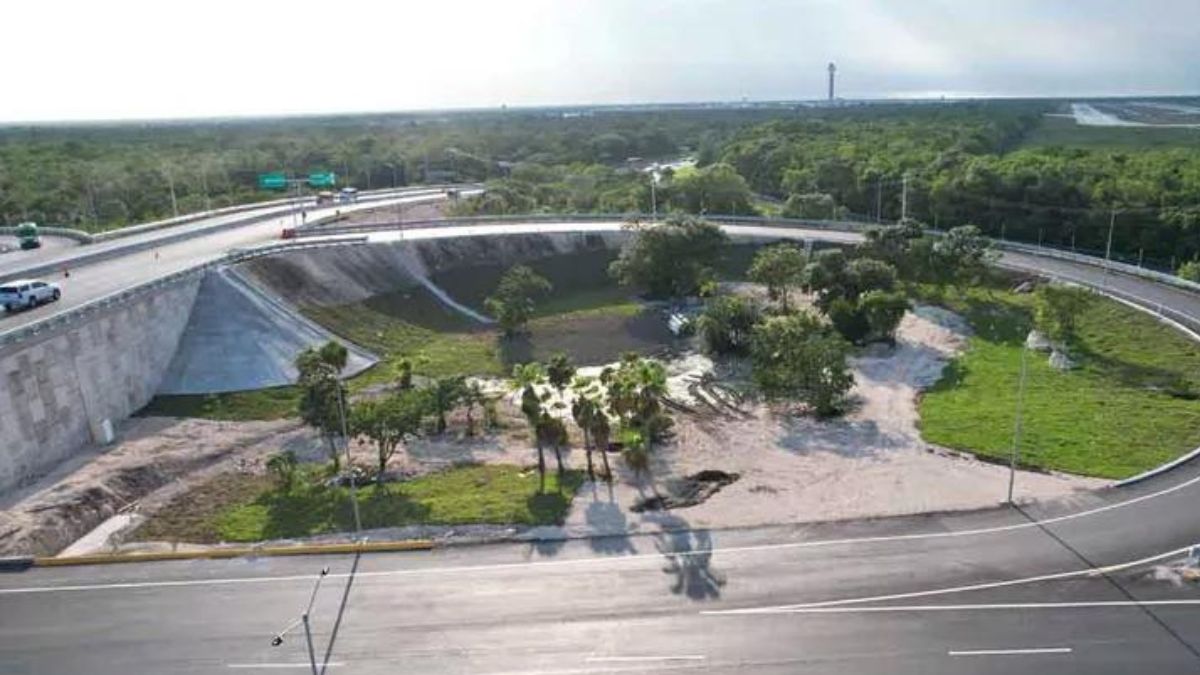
{"x": 932, "y": 97}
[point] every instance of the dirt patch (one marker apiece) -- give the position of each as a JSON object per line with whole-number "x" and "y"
{"x": 680, "y": 493}
{"x": 872, "y": 462}
{"x": 155, "y": 459}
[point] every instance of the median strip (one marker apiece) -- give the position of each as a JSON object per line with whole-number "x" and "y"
{"x": 237, "y": 552}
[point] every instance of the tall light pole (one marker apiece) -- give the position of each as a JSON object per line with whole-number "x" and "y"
{"x": 304, "y": 620}
{"x": 349, "y": 464}
{"x": 1112, "y": 221}
{"x": 1012, "y": 460}
{"x": 654, "y": 193}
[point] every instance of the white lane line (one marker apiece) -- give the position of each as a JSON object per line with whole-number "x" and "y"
{"x": 1089, "y": 571}
{"x": 306, "y": 666}
{"x": 636, "y": 659}
{"x": 1010, "y": 652}
{"x": 1020, "y": 606}
{"x": 640, "y": 556}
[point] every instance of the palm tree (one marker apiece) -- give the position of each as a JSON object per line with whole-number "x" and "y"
{"x": 445, "y": 393}
{"x": 472, "y": 396}
{"x": 551, "y": 431}
{"x": 527, "y": 377}
{"x": 601, "y": 432}
{"x": 583, "y": 410}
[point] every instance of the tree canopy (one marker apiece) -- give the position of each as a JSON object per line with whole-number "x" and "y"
{"x": 672, "y": 259}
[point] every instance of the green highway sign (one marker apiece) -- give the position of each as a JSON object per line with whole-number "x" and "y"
{"x": 272, "y": 181}
{"x": 322, "y": 179}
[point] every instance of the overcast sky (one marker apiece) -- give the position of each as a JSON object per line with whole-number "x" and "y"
{"x": 117, "y": 59}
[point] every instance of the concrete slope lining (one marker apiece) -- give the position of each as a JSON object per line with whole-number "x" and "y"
{"x": 240, "y": 338}
{"x": 415, "y": 267}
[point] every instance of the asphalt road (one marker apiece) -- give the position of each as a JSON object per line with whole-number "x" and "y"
{"x": 932, "y": 594}
{"x": 1071, "y": 586}
{"x": 87, "y": 282}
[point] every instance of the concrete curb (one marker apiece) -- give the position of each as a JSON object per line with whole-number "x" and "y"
{"x": 18, "y": 563}
{"x": 231, "y": 552}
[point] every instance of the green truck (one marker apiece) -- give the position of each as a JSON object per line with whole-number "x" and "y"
{"x": 27, "y": 235}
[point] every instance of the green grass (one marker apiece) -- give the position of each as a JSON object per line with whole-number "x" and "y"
{"x": 412, "y": 324}
{"x": 250, "y": 508}
{"x": 261, "y": 404}
{"x": 572, "y": 274}
{"x": 1132, "y": 403}
{"x": 1063, "y": 131}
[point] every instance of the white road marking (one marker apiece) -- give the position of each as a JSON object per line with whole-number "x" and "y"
{"x": 1010, "y": 652}
{"x": 647, "y": 556}
{"x": 1089, "y": 571}
{"x": 1022, "y": 606}
{"x": 248, "y": 666}
{"x": 635, "y": 659}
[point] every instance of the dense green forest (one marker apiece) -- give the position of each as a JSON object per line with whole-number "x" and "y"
{"x": 1001, "y": 165}
{"x": 965, "y": 164}
{"x": 101, "y": 176}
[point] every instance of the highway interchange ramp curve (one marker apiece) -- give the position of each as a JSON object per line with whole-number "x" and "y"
{"x": 1082, "y": 585}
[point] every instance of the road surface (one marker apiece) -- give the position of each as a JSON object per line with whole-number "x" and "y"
{"x": 884, "y": 596}
{"x": 1073, "y": 586}
{"x": 90, "y": 281}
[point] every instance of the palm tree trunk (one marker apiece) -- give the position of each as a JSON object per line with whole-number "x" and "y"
{"x": 541, "y": 467}
{"x": 587, "y": 448}
{"x": 333, "y": 453}
{"x": 607, "y": 470}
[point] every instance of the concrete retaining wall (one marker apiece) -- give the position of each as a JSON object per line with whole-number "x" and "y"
{"x": 57, "y": 388}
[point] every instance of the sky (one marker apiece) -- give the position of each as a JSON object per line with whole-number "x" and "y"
{"x": 149, "y": 59}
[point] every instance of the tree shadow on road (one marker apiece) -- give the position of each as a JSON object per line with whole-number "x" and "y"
{"x": 688, "y": 554}
{"x": 609, "y": 528}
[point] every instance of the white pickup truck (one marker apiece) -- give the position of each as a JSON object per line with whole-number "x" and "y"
{"x": 27, "y": 294}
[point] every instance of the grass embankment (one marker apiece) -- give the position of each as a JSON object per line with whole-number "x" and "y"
{"x": 1132, "y": 402}
{"x": 586, "y": 316}
{"x": 244, "y": 508}
{"x": 239, "y": 406}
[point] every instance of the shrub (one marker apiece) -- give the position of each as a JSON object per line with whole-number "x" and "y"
{"x": 727, "y": 323}
{"x": 849, "y": 320}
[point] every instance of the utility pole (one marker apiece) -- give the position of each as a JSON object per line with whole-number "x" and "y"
{"x": 654, "y": 194}
{"x": 349, "y": 464}
{"x": 171, "y": 185}
{"x": 904, "y": 199}
{"x": 879, "y": 199}
{"x": 1012, "y": 462}
{"x": 1112, "y": 221}
{"x": 305, "y": 621}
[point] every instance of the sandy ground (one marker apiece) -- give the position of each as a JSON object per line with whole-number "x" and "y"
{"x": 154, "y": 460}
{"x": 870, "y": 463}
{"x": 791, "y": 468}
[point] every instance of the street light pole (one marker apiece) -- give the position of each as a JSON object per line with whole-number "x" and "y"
{"x": 349, "y": 463}
{"x": 654, "y": 194}
{"x": 1012, "y": 461}
{"x": 1112, "y": 221}
{"x": 304, "y": 620}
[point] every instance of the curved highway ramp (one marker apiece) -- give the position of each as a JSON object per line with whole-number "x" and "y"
{"x": 240, "y": 337}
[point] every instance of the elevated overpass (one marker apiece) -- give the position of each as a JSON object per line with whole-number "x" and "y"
{"x": 1078, "y": 585}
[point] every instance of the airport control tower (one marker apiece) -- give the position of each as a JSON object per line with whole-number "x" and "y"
{"x": 832, "y": 71}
